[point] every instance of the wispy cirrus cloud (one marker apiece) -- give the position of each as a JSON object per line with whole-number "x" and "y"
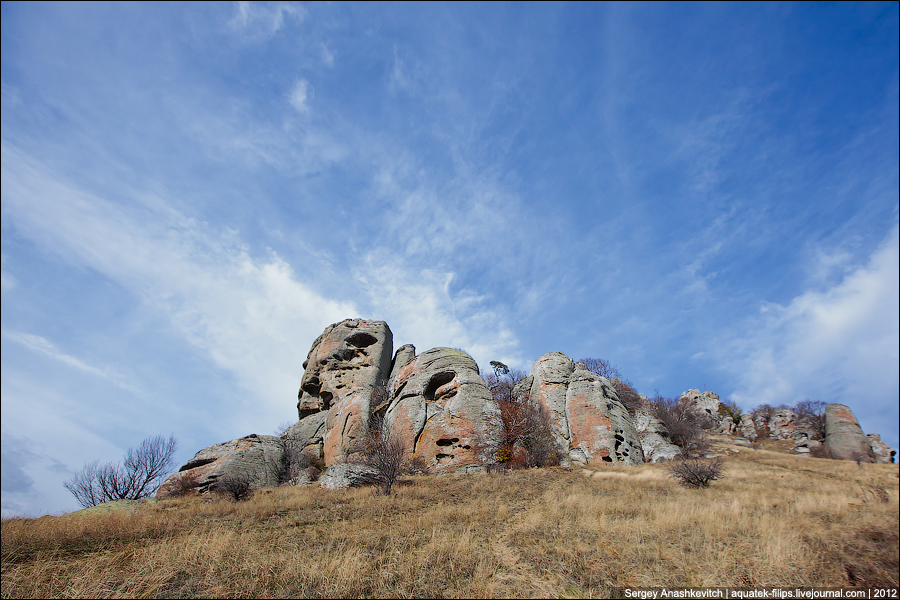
{"x": 47, "y": 348}
{"x": 839, "y": 344}
{"x": 259, "y": 21}
{"x": 250, "y": 316}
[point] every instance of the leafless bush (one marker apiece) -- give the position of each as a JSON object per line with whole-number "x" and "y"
{"x": 524, "y": 439}
{"x": 601, "y": 367}
{"x": 684, "y": 424}
{"x": 820, "y": 451}
{"x": 697, "y": 473}
{"x": 183, "y": 485}
{"x": 238, "y": 486}
{"x": 811, "y": 414}
{"x": 628, "y": 396}
{"x": 294, "y": 461}
{"x": 141, "y": 473}
{"x": 385, "y": 453}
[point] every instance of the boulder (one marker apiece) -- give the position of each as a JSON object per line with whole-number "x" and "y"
{"x": 254, "y": 457}
{"x": 343, "y": 367}
{"x": 346, "y": 475}
{"x": 654, "y": 438}
{"x": 884, "y": 454}
{"x": 587, "y": 421}
{"x": 747, "y": 428}
{"x": 843, "y": 436}
{"x": 441, "y": 407}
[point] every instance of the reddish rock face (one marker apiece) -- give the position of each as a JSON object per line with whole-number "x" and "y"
{"x": 588, "y": 422}
{"x": 550, "y": 382}
{"x": 344, "y": 365}
{"x": 843, "y": 436}
{"x": 444, "y": 410}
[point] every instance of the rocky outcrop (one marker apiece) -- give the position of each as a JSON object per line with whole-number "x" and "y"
{"x": 843, "y": 436}
{"x": 587, "y": 421}
{"x": 884, "y": 454}
{"x": 654, "y": 438}
{"x": 747, "y": 427}
{"x": 256, "y": 458}
{"x": 705, "y": 402}
{"x": 444, "y": 411}
{"x": 342, "y": 369}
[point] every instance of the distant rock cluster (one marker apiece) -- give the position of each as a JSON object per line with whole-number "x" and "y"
{"x": 438, "y": 403}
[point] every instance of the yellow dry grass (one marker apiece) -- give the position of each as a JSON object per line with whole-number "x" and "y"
{"x": 775, "y": 520}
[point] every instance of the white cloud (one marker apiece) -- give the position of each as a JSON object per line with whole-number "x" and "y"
{"x": 258, "y": 21}
{"x": 419, "y": 306}
{"x": 47, "y": 348}
{"x": 838, "y": 345}
{"x": 327, "y": 55}
{"x": 299, "y": 95}
{"x": 251, "y": 316}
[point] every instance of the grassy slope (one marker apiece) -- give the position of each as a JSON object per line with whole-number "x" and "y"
{"x": 776, "y": 520}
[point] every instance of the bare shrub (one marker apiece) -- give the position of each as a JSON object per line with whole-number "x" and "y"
{"x": 294, "y": 461}
{"x": 820, "y": 451}
{"x": 628, "y": 396}
{"x": 525, "y": 438}
{"x": 684, "y": 424}
{"x": 385, "y": 453}
{"x": 139, "y": 476}
{"x": 731, "y": 410}
{"x": 601, "y": 367}
{"x": 811, "y": 414}
{"x": 237, "y": 487}
{"x": 184, "y": 485}
{"x": 697, "y": 473}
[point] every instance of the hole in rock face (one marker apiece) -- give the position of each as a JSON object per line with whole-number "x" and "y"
{"x": 619, "y": 438}
{"x": 607, "y": 459}
{"x": 444, "y": 457}
{"x": 344, "y": 354}
{"x": 436, "y": 382}
{"x": 196, "y": 463}
{"x": 326, "y": 398}
{"x": 312, "y": 387}
{"x": 361, "y": 339}
{"x": 446, "y": 442}
{"x": 610, "y": 406}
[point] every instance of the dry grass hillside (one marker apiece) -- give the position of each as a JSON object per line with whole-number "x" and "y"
{"x": 775, "y": 520}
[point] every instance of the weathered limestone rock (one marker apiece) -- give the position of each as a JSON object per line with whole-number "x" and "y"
{"x": 783, "y": 425}
{"x": 805, "y": 446}
{"x": 884, "y": 454}
{"x": 549, "y": 384}
{"x": 404, "y": 354}
{"x": 346, "y": 475}
{"x": 587, "y": 421}
{"x": 255, "y": 457}
{"x": 706, "y": 402}
{"x": 307, "y": 435}
{"x": 747, "y": 428}
{"x": 600, "y": 427}
{"x": 443, "y": 409}
{"x": 344, "y": 365}
{"x": 843, "y": 436}
{"x": 654, "y": 438}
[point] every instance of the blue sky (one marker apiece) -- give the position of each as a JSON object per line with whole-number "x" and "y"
{"x": 704, "y": 194}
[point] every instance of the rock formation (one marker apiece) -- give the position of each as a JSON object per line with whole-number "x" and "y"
{"x": 587, "y": 420}
{"x": 438, "y": 404}
{"x": 444, "y": 410}
{"x": 883, "y": 453}
{"x": 843, "y": 436}
{"x": 344, "y": 366}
